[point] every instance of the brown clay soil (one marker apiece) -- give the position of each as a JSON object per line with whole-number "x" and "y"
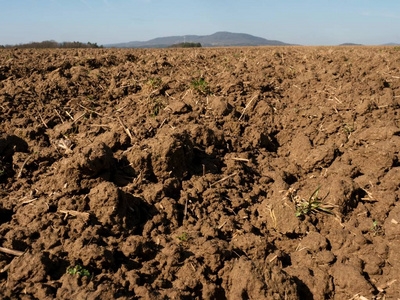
{"x": 232, "y": 173}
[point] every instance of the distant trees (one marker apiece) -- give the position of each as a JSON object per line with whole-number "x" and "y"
{"x": 53, "y": 44}
{"x": 186, "y": 45}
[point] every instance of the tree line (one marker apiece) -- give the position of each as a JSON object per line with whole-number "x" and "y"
{"x": 185, "y": 45}
{"x": 53, "y": 44}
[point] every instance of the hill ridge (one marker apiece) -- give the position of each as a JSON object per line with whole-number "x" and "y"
{"x": 217, "y": 39}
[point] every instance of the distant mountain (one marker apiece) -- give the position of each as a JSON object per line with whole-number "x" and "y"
{"x": 218, "y": 39}
{"x": 353, "y": 44}
{"x": 350, "y": 44}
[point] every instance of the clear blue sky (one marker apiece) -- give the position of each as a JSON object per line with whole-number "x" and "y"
{"x": 306, "y": 22}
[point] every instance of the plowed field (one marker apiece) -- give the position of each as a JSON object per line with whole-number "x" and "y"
{"x": 230, "y": 173}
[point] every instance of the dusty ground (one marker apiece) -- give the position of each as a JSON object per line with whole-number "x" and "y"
{"x": 241, "y": 173}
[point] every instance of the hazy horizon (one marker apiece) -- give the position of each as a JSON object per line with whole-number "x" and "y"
{"x": 307, "y": 22}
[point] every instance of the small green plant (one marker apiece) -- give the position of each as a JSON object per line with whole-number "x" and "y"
{"x": 157, "y": 107}
{"x": 312, "y": 205}
{"x": 78, "y": 269}
{"x": 184, "y": 237}
{"x": 291, "y": 71}
{"x": 155, "y": 82}
{"x": 201, "y": 86}
{"x": 2, "y": 172}
{"x": 376, "y": 229}
{"x": 348, "y": 128}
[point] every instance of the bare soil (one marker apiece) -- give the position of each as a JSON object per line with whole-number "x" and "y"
{"x": 189, "y": 173}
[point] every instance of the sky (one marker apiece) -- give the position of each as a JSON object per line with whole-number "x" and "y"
{"x": 304, "y": 22}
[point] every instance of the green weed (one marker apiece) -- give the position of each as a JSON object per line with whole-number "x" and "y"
{"x": 155, "y": 82}
{"x": 184, "y": 237}
{"x": 376, "y": 229}
{"x": 157, "y": 107}
{"x": 201, "y": 86}
{"x": 291, "y": 71}
{"x": 78, "y": 269}
{"x": 348, "y": 128}
{"x": 311, "y": 205}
